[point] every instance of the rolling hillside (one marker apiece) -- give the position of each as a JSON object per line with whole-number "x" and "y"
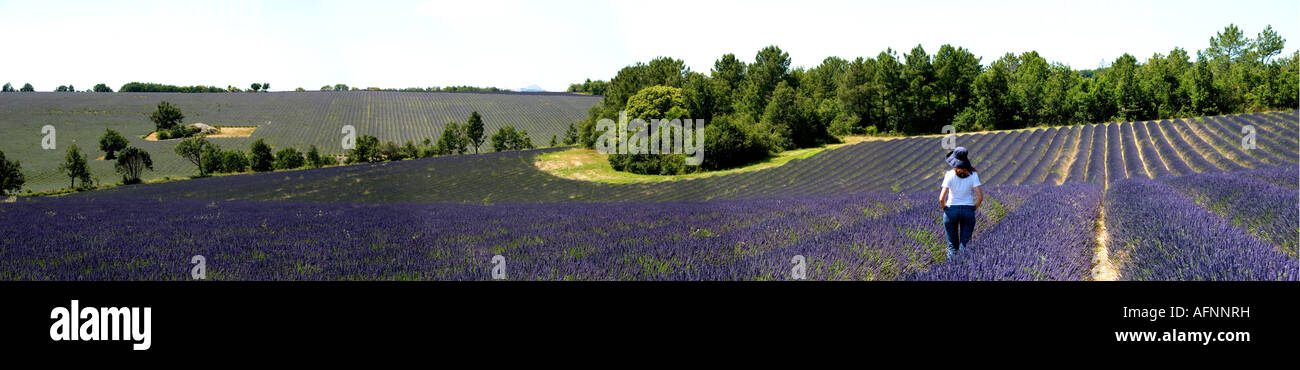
{"x": 1086, "y": 153}
{"x": 297, "y": 119}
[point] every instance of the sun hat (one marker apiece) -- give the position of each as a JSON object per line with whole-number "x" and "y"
{"x": 957, "y": 158}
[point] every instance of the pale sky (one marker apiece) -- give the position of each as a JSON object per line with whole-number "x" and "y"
{"x": 514, "y": 43}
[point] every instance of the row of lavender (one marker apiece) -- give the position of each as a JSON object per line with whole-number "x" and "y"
{"x": 1218, "y": 226}
{"x": 1267, "y": 210}
{"x": 865, "y": 236}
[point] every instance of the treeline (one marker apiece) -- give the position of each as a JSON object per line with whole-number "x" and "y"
{"x": 345, "y": 87}
{"x": 62, "y": 88}
{"x": 456, "y": 139}
{"x": 27, "y": 87}
{"x": 155, "y": 87}
{"x": 589, "y": 87}
{"x": 753, "y": 109}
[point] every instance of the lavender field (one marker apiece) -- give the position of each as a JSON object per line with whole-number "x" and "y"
{"x": 1180, "y": 200}
{"x": 283, "y": 119}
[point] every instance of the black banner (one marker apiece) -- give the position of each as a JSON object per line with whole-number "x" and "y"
{"x": 460, "y": 318}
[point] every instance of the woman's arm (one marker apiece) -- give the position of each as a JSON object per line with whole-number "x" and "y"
{"x": 979, "y": 197}
{"x": 943, "y": 198}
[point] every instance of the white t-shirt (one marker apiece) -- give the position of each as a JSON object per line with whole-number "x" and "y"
{"x": 961, "y": 192}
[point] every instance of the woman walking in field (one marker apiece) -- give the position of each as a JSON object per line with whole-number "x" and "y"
{"x": 960, "y": 197}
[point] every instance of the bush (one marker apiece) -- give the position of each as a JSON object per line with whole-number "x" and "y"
{"x": 233, "y": 161}
{"x": 454, "y": 140}
{"x": 212, "y": 159}
{"x": 410, "y": 151}
{"x": 970, "y": 120}
{"x": 178, "y": 132}
{"x": 11, "y": 175}
{"x": 132, "y": 162}
{"x": 288, "y": 158}
{"x": 507, "y": 138}
{"x": 216, "y": 160}
{"x": 315, "y": 159}
{"x": 731, "y": 143}
{"x": 651, "y": 164}
{"x": 390, "y": 151}
{"x": 846, "y": 124}
{"x": 366, "y": 150}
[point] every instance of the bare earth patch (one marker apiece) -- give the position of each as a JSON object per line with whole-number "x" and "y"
{"x": 234, "y": 131}
{"x": 222, "y": 132}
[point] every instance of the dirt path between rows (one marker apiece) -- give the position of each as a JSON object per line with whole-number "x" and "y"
{"x": 1103, "y": 268}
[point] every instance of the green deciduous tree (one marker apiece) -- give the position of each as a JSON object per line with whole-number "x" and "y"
{"x": 131, "y": 163}
{"x": 166, "y": 116}
{"x": 365, "y": 151}
{"x": 453, "y": 139}
{"x": 507, "y": 138}
{"x": 474, "y": 130}
{"x": 315, "y": 159}
{"x": 11, "y": 175}
{"x": 288, "y": 159}
{"x": 112, "y": 142}
{"x": 233, "y": 161}
{"x": 730, "y": 142}
{"x": 260, "y": 158}
{"x": 1130, "y": 98}
{"x": 193, "y": 149}
{"x": 657, "y": 102}
{"x": 75, "y": 167}
{"x": 212, "y": 159}
{"x": 784, "y": 115}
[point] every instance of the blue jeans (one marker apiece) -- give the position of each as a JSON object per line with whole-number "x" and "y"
{"x": 959, "y": 224}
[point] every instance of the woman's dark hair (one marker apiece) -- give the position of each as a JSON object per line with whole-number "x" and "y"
{"x": 968, "y": 168}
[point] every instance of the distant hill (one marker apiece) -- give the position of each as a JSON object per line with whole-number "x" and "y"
{"x": 532, "y": 88}
{"x": 297, "y": 119}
